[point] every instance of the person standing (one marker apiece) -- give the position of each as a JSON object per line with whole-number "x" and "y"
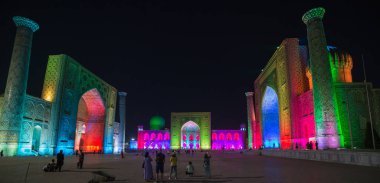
{"x": 160, "y": 161}
{"x": 148, "y": 169}
{"x": 316, "y": 145}
{"x": 207, "y": 165}
{"x": 190, "y": 169}
{"x": 60, "y": 159}
{"x": 1, "y": 153}
{"x": 173, "y": 166}
{"x": 81, "y": 159}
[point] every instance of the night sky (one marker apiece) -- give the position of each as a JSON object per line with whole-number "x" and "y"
{"x": 176, "y": 56}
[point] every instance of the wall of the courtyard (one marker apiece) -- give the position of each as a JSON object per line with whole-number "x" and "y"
{"x": 153, "y": 139}
{"x": 227, "y": 139}
{"x": 353, "y": 111}
{"x": 1, "y": 102}
{"x": 376, "y": 109}
{"x": 334, "y": 156}
{"x": 306, "y": 126}
{"x": 37, "y": 113}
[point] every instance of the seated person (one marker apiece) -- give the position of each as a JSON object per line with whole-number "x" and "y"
{"x": 190, "y": 169}
{"x": 50, "y": 167}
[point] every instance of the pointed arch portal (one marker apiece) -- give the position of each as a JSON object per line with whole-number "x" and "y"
{"x": 190, "y": 136}
{"x": 270, "y": 118}
{"x": 90, "y": 122}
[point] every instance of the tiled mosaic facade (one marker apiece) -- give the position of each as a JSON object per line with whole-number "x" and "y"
{"x": 43, "y": 126}
{"x": 317, "y": 101}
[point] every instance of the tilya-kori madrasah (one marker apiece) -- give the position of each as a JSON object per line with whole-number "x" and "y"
{"x": 304, "y": 94}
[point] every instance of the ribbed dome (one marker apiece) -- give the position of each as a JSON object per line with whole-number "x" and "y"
{"x": 157, "y": 123}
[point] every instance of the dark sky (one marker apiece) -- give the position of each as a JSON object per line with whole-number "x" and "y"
{"x": 177, "y": 56}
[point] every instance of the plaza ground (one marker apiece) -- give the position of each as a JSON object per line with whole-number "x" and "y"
{"x": 225, "y": 167}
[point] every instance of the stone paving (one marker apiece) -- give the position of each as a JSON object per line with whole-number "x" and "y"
{"x": 225, "y": 167}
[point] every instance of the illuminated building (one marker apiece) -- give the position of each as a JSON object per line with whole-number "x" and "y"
{"x": 191, "y": 130}
{"x": 76, "y": 109}
{"x": 306, "y": 93}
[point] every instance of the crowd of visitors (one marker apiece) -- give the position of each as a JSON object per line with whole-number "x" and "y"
{"x": 160, "y": 162}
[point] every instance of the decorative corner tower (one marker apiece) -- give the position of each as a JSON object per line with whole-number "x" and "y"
{"x": 15, "y": 90}
{"x": 140, "y": 137}
{"x": 323, "y": 89}
{"x": 122, "y": 96}
{"x": 243, "y": 129}
{"x": 251, "y": 121}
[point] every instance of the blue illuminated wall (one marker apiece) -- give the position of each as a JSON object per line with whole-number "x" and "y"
{"x": 271, "y": 126}
{"x": 133, "y": 144}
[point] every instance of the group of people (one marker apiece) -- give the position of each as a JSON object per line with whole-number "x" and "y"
{"x": 52, "y": 166}
{"x": 160, "y": 162}
{"x": 309, "y": 145}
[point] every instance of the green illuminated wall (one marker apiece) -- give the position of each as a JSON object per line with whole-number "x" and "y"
{"x": 353, "y": 109}
{"x": 202, "y": 119}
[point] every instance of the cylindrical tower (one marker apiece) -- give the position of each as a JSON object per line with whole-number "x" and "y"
{"x": 323, "y": 88}
{"x": 15, "y": 90}
{"x": 122, "y": 96}
{"x": 251, "y": 121}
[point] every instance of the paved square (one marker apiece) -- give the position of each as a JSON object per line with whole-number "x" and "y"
{"x": 225, "y": 167}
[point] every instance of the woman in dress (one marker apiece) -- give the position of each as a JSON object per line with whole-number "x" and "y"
{"x": 147, "y": 165}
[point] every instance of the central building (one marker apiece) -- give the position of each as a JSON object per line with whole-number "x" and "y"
{"x": 190, "y": 130}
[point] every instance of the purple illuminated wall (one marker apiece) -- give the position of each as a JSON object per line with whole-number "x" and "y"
{"x": 154, "y": 139}
{"x": 227, "y": 139}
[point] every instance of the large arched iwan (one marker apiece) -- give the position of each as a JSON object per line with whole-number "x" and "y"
{"x": 90, "y": 122}
{"x": 190, "y": 135}
{"x": 270, "y": 119}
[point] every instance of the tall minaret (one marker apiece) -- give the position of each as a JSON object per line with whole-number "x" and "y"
{"x": 122, "y": 96}
{"x": 252, "y": 143}
{"x": 323, "y": 88}
{"x": 15, "y": 89}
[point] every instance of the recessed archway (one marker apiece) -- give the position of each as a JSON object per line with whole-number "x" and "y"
{"x": 270, "y": 119}
{"x": 36, "y": 138}
{"x": 90, "y": 122}
{"x": 190, "y": 136}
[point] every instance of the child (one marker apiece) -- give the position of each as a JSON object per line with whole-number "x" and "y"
{"x": 190, "y": 169}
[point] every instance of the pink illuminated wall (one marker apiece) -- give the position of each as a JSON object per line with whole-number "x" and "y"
{"x": 227, "y": 139}
{"x": 305, "y": 129}
{"x": 153, "y": 139}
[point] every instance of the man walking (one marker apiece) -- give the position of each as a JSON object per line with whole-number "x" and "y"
{"x": 81, "y": 159}
{"x": 160, "y": 161}
{"x": 60, "y": 158}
